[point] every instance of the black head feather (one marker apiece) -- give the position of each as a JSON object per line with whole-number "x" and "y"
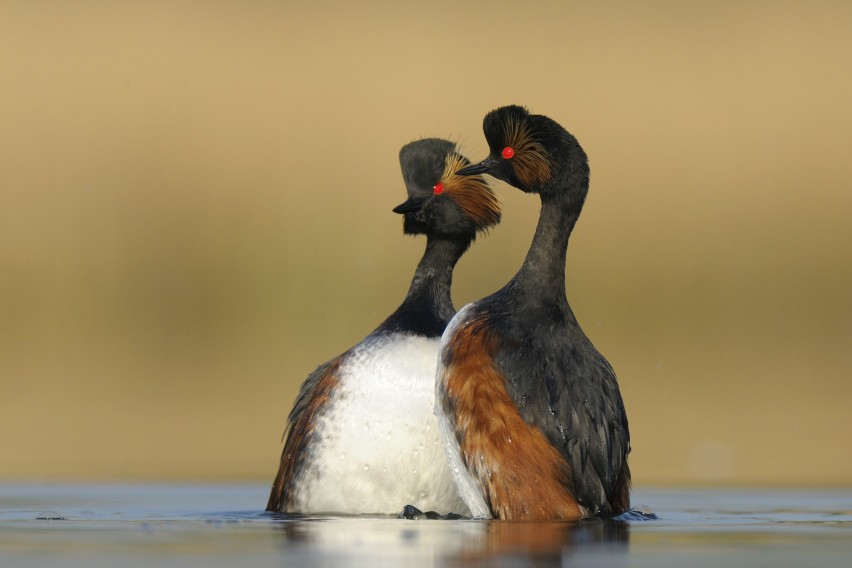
{"x": 545, "y": 158}
{"x": 439, "y": 202}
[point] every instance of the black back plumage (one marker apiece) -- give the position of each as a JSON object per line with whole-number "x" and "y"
{"x": 567, "y": 389}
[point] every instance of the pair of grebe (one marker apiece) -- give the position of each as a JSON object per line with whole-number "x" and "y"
{"x": 504, "y": 410}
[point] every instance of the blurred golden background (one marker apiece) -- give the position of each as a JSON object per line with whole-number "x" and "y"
{"x": 195, "y": 211}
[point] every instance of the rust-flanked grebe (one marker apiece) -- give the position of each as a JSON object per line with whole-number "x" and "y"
{"x": 362, "y": 436}
{"x": 530, "y": 412}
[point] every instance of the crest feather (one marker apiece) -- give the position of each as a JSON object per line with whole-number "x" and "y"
{"x": 531, "y": 162}
{"x": 471, "y": 193}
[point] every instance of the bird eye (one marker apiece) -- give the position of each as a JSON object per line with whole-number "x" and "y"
{"x": 508, "y": 152}
{"x": 438, "y": 189}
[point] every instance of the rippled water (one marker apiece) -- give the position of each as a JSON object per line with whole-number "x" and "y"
{"x": 223, "y": 525}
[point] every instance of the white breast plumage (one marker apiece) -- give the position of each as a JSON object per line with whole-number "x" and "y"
{"x": 377, "y": 446}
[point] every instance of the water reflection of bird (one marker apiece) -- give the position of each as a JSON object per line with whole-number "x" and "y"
{"x": 530, "y": 411}
{"x": 362, "y": 435}
{"x": 550, "y": 543}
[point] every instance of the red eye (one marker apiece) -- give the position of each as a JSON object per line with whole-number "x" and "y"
{"x": 438, "y": 189}
{"x": 508, "y": 152}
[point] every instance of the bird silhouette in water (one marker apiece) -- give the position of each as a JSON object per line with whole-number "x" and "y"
{"x": 362, "y": 436}
{"x": 530, "y": 412}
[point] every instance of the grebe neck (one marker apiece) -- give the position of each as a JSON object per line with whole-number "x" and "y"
{"x": 428, "y": 306}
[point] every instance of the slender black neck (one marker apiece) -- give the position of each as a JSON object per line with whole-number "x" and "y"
{"x": 541, "y": 279}
{"x": 428, "y": 306}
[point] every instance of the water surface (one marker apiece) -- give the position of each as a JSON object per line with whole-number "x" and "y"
{"x": 224, "y": 525}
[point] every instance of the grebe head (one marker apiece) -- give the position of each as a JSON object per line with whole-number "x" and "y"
{"x": 441, "y": 202}
{"x": 533, "y": 153}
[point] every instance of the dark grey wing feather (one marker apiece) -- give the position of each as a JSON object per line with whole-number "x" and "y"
{"x": 312, "y": 398}
{"x": 568, "y": 390}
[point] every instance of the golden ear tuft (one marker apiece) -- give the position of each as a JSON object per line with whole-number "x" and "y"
{"x": 471, "y": 193}
{"x": 530, "y": 161}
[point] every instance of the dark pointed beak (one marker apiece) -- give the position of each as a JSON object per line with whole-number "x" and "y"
{"x": 482, "y": 167}
{"x": 413, "y": 204}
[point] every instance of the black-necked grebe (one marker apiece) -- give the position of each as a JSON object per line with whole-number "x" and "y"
{"x": 363, "y": 436}
{"x": 530, "y": 412}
